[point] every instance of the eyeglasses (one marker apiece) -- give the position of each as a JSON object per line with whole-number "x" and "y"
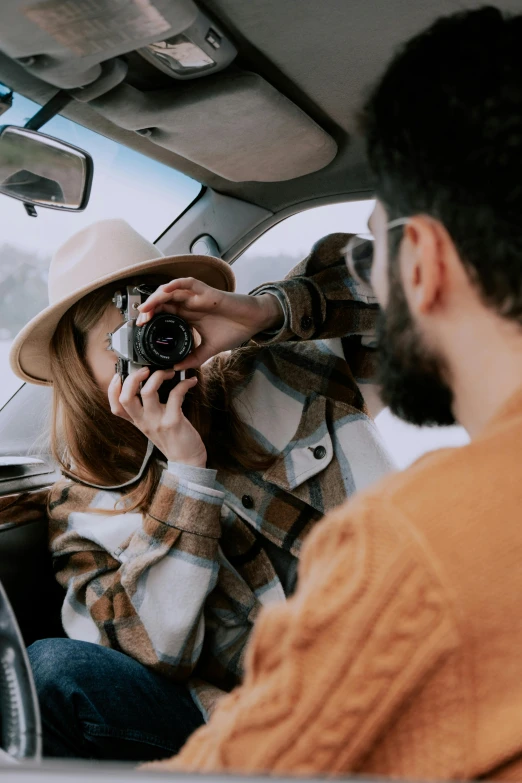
{"x": 358, "y": 253}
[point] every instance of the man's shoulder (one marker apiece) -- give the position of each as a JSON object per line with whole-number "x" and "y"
{"x": 391, "y": 528}
{"x": 385, "y": 534}
{"x": 431, "y": 480}
{"x": 427, "y": 469}
{"x": 448, "y": 493}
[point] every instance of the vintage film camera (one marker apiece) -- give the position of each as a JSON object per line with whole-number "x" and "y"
{"x": 160, "y": 344}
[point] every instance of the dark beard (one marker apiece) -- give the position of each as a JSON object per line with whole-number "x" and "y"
{"x": 411, "y": 375}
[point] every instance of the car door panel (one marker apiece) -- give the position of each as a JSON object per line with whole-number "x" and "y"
{"x": 25, "y": 562}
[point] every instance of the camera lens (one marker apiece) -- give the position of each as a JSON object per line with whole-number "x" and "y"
{"x": 165, "y": 340}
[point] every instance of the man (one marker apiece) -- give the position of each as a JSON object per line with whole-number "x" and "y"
{"x": 399, "y": 654}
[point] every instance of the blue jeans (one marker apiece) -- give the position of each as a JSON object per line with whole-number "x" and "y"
{"x": 97, "y": 703}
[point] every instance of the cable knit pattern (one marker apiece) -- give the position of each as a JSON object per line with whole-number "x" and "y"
{"x": 399, "y": 653}
{"x": 430, "y": 719}
{"x": 372, "y": 608}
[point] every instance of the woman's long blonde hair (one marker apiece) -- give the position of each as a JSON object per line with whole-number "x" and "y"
{"x": 98, "y": 447}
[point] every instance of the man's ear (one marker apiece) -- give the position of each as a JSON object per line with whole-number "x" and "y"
{"x": 422, "y": 256}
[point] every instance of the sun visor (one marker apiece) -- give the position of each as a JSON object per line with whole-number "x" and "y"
{"x": 64, "y": 42}
{"x": 236, "y": 125}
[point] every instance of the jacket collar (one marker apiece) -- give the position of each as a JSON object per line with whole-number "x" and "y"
{"x": 308, "y": 452}
{"x": 271, "y": 408}
{"x": 293, "y": 426}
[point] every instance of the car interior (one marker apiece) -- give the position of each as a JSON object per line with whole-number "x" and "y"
{"x": 256, "y": 101}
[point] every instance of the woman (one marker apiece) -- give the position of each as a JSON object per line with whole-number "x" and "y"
{"x": 165, "y": 578}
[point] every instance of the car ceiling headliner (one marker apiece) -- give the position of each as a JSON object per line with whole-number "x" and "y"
{"x": 323, "y": 55}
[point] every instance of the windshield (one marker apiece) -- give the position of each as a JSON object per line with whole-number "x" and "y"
{"x": 147, "y": 194}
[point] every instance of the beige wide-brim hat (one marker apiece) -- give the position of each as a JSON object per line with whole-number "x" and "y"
{"x": 102, "y": 253}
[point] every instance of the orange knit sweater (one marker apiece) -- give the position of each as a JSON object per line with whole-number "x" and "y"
{"x": 401, "y": 651}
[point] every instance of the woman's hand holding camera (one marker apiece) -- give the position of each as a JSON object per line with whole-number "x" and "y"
{"x": 165, "y": 425}
{"x": 223, "y": 320}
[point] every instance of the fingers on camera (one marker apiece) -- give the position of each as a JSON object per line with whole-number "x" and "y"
{"x": 128, "y": 398}
{"x": 178, "y": 393}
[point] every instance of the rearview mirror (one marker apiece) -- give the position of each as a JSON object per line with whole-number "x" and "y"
{"x": 43, "y": 171}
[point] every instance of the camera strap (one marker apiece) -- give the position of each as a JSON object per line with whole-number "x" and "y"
{"x": 146, "y": 460}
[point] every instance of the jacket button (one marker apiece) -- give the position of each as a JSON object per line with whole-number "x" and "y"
{"x": 306, "y": 323}
{"x": 319, "y": 452}
{"x": 247, "y": 501}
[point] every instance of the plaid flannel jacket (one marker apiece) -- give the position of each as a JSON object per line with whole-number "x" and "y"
{"x": 179, "y": 588}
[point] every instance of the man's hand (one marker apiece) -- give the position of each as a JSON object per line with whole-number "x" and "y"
{"x": 223, "y": 320}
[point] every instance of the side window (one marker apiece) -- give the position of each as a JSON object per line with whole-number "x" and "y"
{"x": 147, "y": 194}
{"x": 275, "y": 253}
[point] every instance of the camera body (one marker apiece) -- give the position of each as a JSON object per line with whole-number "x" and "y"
{"x": 160, "y": 344}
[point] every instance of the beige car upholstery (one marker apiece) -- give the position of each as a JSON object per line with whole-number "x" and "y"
{"x": 234, "y": 123}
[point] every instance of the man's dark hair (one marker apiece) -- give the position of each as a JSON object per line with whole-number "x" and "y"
{"x": 444, "y": 138}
